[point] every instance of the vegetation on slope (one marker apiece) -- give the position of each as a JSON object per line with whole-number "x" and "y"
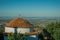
{"x": 54, "y": 29}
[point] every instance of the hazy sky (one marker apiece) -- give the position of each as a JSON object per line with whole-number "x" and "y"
{"x": 30, "y": 8}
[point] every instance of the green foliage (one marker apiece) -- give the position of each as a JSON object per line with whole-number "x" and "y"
{"x": 11, "y": 36}
{"x": 17, "y": 36}
{"x": 20, "y": 36}
{"x": 1, "y": 28}
{"x": 54, "y": 29}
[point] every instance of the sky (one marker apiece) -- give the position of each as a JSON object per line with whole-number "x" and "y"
{"x": 30, "y": 8}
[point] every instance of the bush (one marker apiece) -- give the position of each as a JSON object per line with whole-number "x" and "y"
{"x": 17, "y": 36}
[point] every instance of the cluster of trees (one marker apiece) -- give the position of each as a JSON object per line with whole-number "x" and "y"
{"x": 1, "y": 28}
{"x": 54, "y": 29}
{"x": 1, "y": 32}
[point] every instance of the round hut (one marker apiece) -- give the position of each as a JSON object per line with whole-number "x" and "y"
{"x": 20, "y": 25}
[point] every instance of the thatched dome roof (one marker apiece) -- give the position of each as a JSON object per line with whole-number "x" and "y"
{"x": 19, "y": 23}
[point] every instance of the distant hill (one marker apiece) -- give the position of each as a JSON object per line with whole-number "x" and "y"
{"x": 36, "y": 20}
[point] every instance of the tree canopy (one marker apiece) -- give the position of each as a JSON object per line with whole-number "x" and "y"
{"x": 54, "y": 29}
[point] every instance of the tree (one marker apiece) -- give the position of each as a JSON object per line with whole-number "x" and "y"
{"x": 54, "y": 29}
{"x": 1, "y": 28}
